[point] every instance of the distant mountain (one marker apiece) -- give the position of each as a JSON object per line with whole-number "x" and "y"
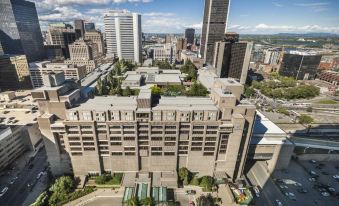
{"x": 308, "y": 35}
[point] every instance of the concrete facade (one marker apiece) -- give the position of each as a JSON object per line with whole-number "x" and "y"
{"x": 207, "y": 135}
{"x": 39, "y": 69}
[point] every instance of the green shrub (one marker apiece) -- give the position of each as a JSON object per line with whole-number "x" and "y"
{"x": 195, "y": 181}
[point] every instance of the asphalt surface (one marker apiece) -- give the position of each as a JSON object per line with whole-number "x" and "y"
{"x": 270, "y": 192}
{"x": 105, "y": 201}
{"x": 18, "y": 191}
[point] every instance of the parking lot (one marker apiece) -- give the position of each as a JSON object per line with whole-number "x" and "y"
{"x": 298, "y": 187}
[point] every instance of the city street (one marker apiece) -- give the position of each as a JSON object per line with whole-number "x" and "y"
{"x": 18, "y": 191}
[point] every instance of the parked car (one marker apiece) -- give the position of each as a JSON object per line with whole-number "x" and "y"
{"x": 13, "y": 180}
{"x": 313, "y": 174}
{"x": 311, "y": 179}
{"x": 256, "y": 191}
{"x": 278, "y": 203}
{"x": 3, "y": 191}
{"x": 325, "y": 194}
{"x": 302, "y": 190}
{"x": 313, "y": 161}
{"x": 291, "y": 195}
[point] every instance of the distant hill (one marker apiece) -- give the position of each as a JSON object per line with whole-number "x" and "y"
{"x": 308, "y": 35}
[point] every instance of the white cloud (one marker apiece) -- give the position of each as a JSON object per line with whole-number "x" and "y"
{"x": 316, "y": 6}
{"x": 158, "y": 14}
{"x": 265, "y": 28}
{"x": 277, "y": 4}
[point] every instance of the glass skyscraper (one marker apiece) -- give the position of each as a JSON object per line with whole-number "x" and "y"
{"x": 20, "y": 30}
{"x": 213, "y": 28}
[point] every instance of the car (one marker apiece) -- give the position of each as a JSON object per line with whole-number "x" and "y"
{"x": 291, "y": 195}
{"x": 41, "y": 173}
{"x": 190, "y": 192}
{"x": 322, "y": 189}
{"x": 325, "y": 194}
{"x": 331, "y": 189}
{"x": 13, "y": 180}
{"x": 30, "y": 166}
{"x": 302, "y": 190}
{"x": 298, "y": 184}
{"x": 278, "y": 203}
{"x": 336, "y": 176}
{"x": 337, "y": 167}
{"x": 324, "y": 173}
{"x": 313, "y": 174}
{"x": 313, "y": 161}
{"x": 3, "y": 191}
{"x": 256, "y": 191}
{"x": 311, "y": 179}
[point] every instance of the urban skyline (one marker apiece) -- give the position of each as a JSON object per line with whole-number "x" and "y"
{"x": 246, "y": 17}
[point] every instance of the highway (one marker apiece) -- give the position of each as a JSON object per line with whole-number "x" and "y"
{"x": 18, "y": 191}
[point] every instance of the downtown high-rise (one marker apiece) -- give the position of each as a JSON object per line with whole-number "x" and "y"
{"x": 123, "y": 35}
{"x": 20, "y": 30}
{"x": 214, "y": 25}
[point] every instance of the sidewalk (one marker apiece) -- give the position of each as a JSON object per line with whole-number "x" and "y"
{"x": 97, "y": 194}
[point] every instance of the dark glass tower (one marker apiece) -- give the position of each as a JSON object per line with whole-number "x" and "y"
{"x": 20, "y": 30}
{"x": 79, "y": 28}
{"x": 214, "y": 25}
{"x": 189, "y": 35}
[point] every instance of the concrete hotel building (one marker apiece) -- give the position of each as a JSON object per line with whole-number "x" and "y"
{"x": 214, "y": 25}
{"x": 20, "y": 29}
{"x": 208, "y": 135}
{"x": 39, "y": 69}
{"x": 123, "y": 35}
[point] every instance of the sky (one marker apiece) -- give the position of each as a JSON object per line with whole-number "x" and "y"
{"x": 173, "y": 16}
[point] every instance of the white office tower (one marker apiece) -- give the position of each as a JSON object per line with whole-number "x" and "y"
{"x": 123, "y": 34}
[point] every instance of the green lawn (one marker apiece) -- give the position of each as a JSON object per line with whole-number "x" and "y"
{"x": 327, "y": 101}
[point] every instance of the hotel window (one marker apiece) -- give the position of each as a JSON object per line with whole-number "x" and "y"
{"x": 73, "y": 116}
{"x": 169, "y": 153}
{"x": 116, "y": 143}
{"x": 87, "y": 115}
{"x": 116, "y": 153}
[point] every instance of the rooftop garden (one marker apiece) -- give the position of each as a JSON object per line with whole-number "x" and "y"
{"x": 195, "y": 90}
{"x": 111, "y": 84}
{"x": 279, "y": 87}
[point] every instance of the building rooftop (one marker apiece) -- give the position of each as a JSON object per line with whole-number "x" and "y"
{"x": 266, "y": 132}
{"x": 133, "y": 77}
{"x": 182, "y": 103}
{"x": 105, "y": 103}
{"x": 171, "y": 78}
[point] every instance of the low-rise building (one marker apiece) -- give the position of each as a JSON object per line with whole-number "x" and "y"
{"x": 164, "y": 52}
{"x": 39, "y": 69}
{"x": 330, "y": 76}
{"x": 152, "y": 76}
{"x": 7, "y": 96}
{"x": 269, "y": 143}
